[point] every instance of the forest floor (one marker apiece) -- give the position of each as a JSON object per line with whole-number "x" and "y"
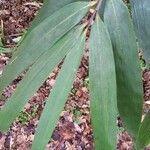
{"x": 73, "y": 131}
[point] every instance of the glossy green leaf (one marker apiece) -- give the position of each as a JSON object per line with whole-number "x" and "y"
{"x": 42, "y": 38}
{"x": 57, "y": 99}
{"x": 141, "y": 16}
{"x": 129, "y": 79}
{"x": 103, "y": 92}
{"x": 144, "y": 132}
{"x": 36, "y": 75}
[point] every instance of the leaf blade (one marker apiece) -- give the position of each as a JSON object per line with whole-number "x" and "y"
{"x": 5, "y": 50}
{"x": 36, "y": 76}
{"x": 141, "y": 16}
{"x": 129, "y": 83}
{"x": 48, "y": 8}
{"x": 144, "y": 132}
{"x": 60, "y": 23}
{"x": 55, "y": 101}
{"x": 102, "y": 79}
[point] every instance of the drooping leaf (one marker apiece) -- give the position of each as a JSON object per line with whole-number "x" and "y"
{"x": 103, "y": 92}
{"x": 141, "y": 16}
{"x": 42, "y": 38}
{"x": 56, "y": 101}
{"x": 129, "y": 83}
{"x": 144, "y": 132}
{"x": 36, "y": 75}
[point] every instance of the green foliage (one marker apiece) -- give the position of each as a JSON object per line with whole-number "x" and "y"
{"x": 50, "y": 7}
{"x": 2, "y": 49}
{"x": 129, "y": 81}
{"x": 24, "y": 116}
{"x": 102, "y": 87}
{"x": 5, "y": 50}
{"x": 35, "y": 76}
{"x": 141, "y": 18}
{"x": 1, "y": 44}
{"x": 144, "y": 136}
{"x": 86, "y": 82}
{"x": 55, "y": 101}
{"x": 77, "y": 114}
{"x": 44, "y": 36}
{"x": 114, "y": 82}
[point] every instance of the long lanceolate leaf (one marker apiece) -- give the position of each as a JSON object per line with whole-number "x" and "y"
{"x": 141, "y": 16}
{"x": 49, "y": 7}
{"x": 102, "y": 88}
{"x": 56, "y": 101}
{"x": 36, "y": 76}
{"x": 129, "y": 84}
{"x": 144, "y": 132}
{"x": 42, "y": 38}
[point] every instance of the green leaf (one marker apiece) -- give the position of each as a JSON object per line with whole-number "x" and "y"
{"x": 36, "y": 75}
{"x": 48, "y": 8}
{"x": 141, "y": 16}
{"x": 42, "y": 38}
{"x": 144, "y": 132}
{"x": 103, "y": 93}
{"x": 102, "y": 9}
{"x": 129, "y": 79}
{"x": 57, "y": 99}
{"x": 5, "y": 50}
{"x": 1, "y": 44}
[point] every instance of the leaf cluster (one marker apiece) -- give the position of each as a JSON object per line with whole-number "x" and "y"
{"x": 115, "y": 82}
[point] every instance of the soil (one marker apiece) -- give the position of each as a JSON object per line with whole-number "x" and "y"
{"x": 73, "y": 131}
